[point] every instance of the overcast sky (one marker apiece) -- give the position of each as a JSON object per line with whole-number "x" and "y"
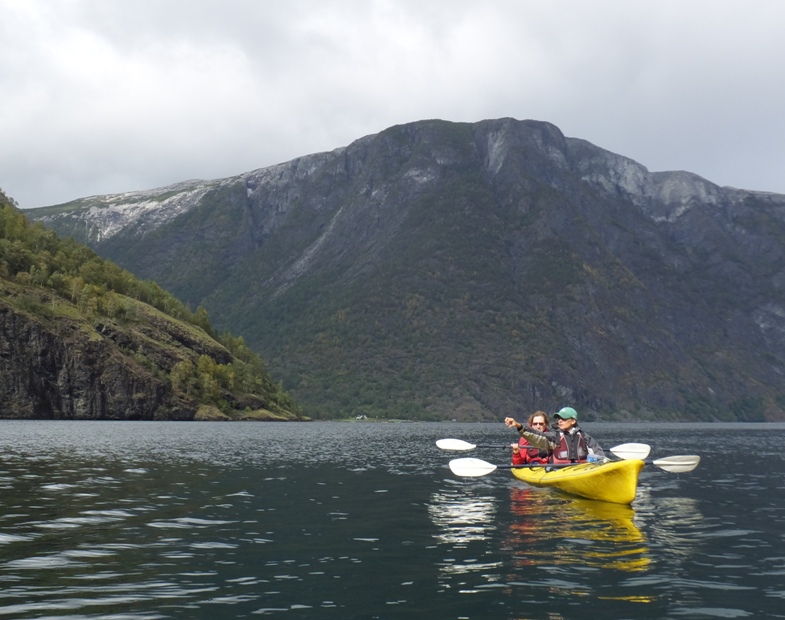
{"x": 106, "y": 96}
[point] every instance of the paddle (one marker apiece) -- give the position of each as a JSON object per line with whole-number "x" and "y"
{"x": 460, "y": 444}
{"x": 628, "y": 451}
{"x": 473, "y": 468}
{"x": 624, "y": 451}
{"x": 678, "y": 464}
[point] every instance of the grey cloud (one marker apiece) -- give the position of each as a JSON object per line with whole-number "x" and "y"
{"x": 109, "y": 96}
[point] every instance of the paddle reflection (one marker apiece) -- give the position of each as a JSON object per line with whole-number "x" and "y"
{"x": 462, "y": 519}
{"x": 674, "y": 524}
{"x": 549, "y": 529}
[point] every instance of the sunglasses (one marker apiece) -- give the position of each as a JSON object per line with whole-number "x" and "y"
{"x": 539, "y": 424}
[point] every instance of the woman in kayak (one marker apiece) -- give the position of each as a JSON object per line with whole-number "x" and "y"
{"x": 570, "y": 444}
{"x": 524, "y": 452}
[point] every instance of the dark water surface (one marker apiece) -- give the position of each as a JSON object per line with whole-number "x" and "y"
{"x": 140, "y": 520}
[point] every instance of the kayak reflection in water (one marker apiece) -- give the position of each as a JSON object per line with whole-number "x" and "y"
{"x": 545, "y": 527}
{"x": 523, "y": 452}
{"x": 570, "y": 444}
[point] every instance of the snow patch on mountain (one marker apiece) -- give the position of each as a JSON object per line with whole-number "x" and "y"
{"x": 107, "y": 215}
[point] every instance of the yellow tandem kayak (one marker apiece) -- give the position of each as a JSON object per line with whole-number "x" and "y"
{"x": 614, "y": 481}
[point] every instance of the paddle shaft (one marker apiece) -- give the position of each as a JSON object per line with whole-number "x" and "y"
{"x": 664, "y": 464}
{"x": 548, "y": 465}
{"x": 624, "y": 451}
{"x": 472, "y": 467}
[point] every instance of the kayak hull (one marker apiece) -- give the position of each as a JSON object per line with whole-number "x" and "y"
{"x": 614, "y": 481}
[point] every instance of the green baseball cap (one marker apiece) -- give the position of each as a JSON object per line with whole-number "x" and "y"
{"x": 566, "y": 412}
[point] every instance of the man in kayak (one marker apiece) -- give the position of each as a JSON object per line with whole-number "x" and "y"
{"x": 523, "y": 452}
{"x": 570, "y": 444}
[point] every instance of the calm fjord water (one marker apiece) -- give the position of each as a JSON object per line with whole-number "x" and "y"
{"x": 143, "y": 520}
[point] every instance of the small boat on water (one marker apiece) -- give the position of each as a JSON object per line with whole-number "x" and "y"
{"x": 609, "y": 481}
{"x": 612, "y": 481}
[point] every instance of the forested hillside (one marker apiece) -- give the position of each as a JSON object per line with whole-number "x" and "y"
{"x": 82, "y": 338}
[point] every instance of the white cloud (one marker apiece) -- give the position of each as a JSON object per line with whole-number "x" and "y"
{"x": 131, "y": 94}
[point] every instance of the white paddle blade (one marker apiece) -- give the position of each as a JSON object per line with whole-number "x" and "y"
{"x": 454, "y": 444}
{"x": 471, "y": 468}
{"x": 628, "y": 451}
{"x": 678, "y": 464}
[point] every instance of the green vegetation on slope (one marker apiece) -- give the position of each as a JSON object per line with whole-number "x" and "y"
{"x": 49, "y": 278}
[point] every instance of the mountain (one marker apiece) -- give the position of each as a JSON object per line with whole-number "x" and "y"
{"x": 84, "y": 339}
{"x": 468, "y": 271}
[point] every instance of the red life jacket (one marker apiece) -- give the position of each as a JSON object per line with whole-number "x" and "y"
{"x": 529, "y": 454}
{"x": 572, "y": 448}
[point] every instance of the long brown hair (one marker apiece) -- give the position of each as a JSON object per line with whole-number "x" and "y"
{"x": 539, "y": 413}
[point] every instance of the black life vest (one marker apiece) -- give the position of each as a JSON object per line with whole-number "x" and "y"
{"x": 572, "y": 448}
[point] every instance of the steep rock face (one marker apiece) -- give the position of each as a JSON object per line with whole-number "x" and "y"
{"x": 472, "y": 270}
{"x": 57, "y": 364}
{"x": 63, "y": 372}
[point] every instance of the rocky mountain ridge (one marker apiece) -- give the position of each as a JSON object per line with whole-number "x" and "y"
{"x": 455, "y": 270}
{"x": 139, "y": 212}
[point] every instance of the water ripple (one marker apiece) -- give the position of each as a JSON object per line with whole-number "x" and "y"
{"x": 199, "y": 521}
